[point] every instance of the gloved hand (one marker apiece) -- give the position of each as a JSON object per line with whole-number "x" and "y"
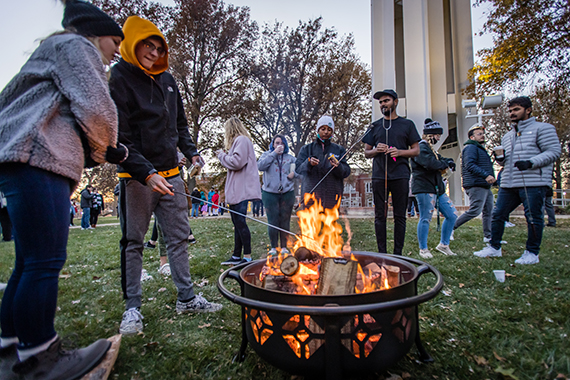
{"x": 451, "y": 165}
{"x": 116, "y": 155}
{"x": 523, "y": 165}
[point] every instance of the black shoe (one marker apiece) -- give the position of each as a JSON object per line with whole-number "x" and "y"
{"x": 148, "y": 244}
{"x": 551, "y": 225}
{"x": 8, "y": 357}
{"x": 233, "y": 261}
{"x": 192, "y": 241}
{"x": 57, "y": 364}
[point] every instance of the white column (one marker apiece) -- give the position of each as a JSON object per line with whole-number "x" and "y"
{"x": 383, "y": 56}
{"x": 416, "y": 52}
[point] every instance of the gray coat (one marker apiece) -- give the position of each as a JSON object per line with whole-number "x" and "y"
{"x": 534, "y": 141}
{"x": 268, "y": 163}
{"x": 61, "y": 88}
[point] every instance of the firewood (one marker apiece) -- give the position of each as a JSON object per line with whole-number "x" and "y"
{"x": 102, "y": 371}
{"x": 338, "y": 276}
{"x": 393, "y": 275}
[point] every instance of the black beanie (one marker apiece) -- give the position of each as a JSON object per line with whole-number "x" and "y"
{"x": 89, "y": 20}
{"x": 432, "y": 127}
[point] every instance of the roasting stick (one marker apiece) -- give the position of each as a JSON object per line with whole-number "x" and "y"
{"x": 249, "y": 217}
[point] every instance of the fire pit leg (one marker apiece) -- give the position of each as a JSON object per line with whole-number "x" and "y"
{"x": 240, "y": 356}
{"x": 333, "y": 353}
{"x": 424, "y": 356}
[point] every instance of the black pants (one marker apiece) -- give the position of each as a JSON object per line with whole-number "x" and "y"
{"x": 94, "y": 216}
{"x": 242, "y": 236}
{"x": 413, "y": 201}
{"x": 399, "y": 189}
{"x": 6, "y": 224}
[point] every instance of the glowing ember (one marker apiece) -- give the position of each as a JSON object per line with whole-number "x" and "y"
{"x": 321, "y": 234}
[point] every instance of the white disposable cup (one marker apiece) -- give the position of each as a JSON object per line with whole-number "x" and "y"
{"x": 499, "y": 152}
{"x": 292, "y": 170}
{"x": 499, "y": 275}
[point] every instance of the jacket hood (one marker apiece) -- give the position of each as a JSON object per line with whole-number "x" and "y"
{"x": 473, "y": 142}
{"x": 285, "y": 145}
{"x": 137, "y": 29}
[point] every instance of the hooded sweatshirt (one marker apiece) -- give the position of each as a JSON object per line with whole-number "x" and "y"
{"x": 152, "y": 123}
{"x": 276, "y": 168}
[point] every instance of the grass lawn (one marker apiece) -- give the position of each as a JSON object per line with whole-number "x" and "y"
{"x": 477, "y": 328}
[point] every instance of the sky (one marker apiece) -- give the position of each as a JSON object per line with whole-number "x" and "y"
{"x": 24, "y": 23}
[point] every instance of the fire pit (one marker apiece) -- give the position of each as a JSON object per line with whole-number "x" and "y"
{"x": 332, "y": 335}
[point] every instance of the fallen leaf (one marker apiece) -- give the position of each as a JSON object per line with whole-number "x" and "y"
{"x": 204, "y": 325}
{"x": 498, "y": 357}
{"x": 510, "y": 275}
{"x": 162, "y": 290}
{"x": 461, "y": 285}
{"x": 406, "y": 375}
{"x": 560, "y": 376}
{"x": 150, "y": 344}
{"x": 75, "y": 302}
{"x": 96, "y": 277}
{"x": 64, "y": 275}
{"x": 394, "y": 377}
{"x": 480, "y": 360}
{"x": 509, "y": 374}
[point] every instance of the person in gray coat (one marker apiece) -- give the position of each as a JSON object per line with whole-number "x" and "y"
{"x": 530, "y": 150}
{"x": 278, "y": 192}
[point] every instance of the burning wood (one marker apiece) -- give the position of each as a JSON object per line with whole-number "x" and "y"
{"x": 337, "y": 276}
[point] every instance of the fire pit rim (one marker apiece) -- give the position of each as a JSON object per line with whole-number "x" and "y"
{"x": 333, "y": 309}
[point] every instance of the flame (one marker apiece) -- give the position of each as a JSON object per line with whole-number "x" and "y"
{"x": 322, "y": 233}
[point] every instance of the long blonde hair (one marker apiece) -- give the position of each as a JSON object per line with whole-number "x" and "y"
{"x": 94, "y": 40}
{"x": 232, "y": 129}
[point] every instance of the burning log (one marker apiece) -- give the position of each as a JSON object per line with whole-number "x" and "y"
{"x": 289, "y": 266}
{"x": 337, "y": 276}
{"x": 305, "y": 254}
{"x": 392, "y": 274}
{"x": 279, "y": 283}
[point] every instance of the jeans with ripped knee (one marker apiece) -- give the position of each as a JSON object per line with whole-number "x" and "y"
{"x": 427, "y": 204}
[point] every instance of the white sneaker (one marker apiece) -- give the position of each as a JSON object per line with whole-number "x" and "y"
{"x": 272, "y": 252}
{"x": 489, "y": 251}
{"x": 284, "y": 251}
{"x": 488, "y": 240}
{"x": 527, "y": 258}
{"x": 425, "y": 253}
{"x": 451, "y": 238}
{"x": 132, "y": 322}
{"x": 145, "y": 276}
{"x": 164, "y": 270}
{"x": 445, "y": 250}
{"x": 509, "y": 224}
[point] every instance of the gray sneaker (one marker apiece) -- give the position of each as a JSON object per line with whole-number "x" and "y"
{"x": 527, "y": 258}
{"x": 198, "y": 304}
{"x": 445, "y": 250}
{"x": 132, "y": 322}
{"x": 58, "y": 364}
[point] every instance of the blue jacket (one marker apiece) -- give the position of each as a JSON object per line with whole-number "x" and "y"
{"x": 476, "y": 165}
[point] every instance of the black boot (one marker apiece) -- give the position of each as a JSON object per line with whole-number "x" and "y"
{"x": 58, "y": 364}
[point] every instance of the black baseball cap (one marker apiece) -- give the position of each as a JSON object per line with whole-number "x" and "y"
{"x": 391, "y": 93}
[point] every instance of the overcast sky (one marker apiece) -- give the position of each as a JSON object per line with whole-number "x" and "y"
{"x": 24, "y": 23}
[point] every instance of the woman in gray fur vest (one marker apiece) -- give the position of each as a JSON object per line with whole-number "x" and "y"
{"x": 56, "y": 114}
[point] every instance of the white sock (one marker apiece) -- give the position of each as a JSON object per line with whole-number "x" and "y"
{"x": 5, "y": 342}
{"x": 25, "y": 354}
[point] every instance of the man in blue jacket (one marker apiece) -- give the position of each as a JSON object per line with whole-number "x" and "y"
{"x": 478, "y": 176}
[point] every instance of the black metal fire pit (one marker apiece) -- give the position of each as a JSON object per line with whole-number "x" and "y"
{"x": 334, "y": 336}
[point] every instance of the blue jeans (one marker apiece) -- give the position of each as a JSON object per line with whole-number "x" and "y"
{"x": 426, "y": 205}
{"x": 195, "y": 210}
{"x": 279, "y": 208}
{"x": 85, "y": 218}
{"x": 510, "y": 199}
{"x": 38, "y": 204}
{"x": 242, "y": 236}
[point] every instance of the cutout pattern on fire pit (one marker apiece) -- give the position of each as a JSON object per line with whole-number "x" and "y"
{"x": 260, "y": 325}
{"x": 365, "y": 333}
{"x": 303, "y": 340}
{"x": 402, "y": 324}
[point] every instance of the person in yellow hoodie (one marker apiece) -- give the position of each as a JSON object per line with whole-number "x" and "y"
{"x": 152, "y": 124}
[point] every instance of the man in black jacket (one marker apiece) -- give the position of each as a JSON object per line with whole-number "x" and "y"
{"x": 152, "y": 124}
{"x": 86, "y": 204}
{"x": 478, "y": 176}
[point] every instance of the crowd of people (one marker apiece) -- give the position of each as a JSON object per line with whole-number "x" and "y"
{"x": 63, "y": 112}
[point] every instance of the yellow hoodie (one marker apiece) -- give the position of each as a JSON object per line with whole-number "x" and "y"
{"x": 137, "y": 29}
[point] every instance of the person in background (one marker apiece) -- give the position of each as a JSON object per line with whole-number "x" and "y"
{"x": 412, "y": 202}
{"x": 530, "y": 150}
{"x": 278, "y": 192}
{"x": 5, "y": 219}
{"x": 242, "y": 184}
{"x": 316, "y": 159}
{"x": 153, "y": 125}
{"x": 86, "y": 204}
{"x": 429, "y": 189}
{"x": 195, "y": 203}
{"x": 550, "y": 208}
{"x": 210, "y": 195}
{"x": 215, "y": 201}
{"x": 56, "y": 117}
{"x": 478, "y": 176}
{"x": 98, "y": 205}
{"x": 71, "y": 213}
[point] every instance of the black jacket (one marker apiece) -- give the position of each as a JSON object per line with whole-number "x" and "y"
{"x": 196, "y": 194}
{"x": 426, "y": 171}
{"x": 152, "y": 123}
{"x": 86, "y": 199}
{"x": 476, "y": 165}
{"x": 331, "y": 189}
